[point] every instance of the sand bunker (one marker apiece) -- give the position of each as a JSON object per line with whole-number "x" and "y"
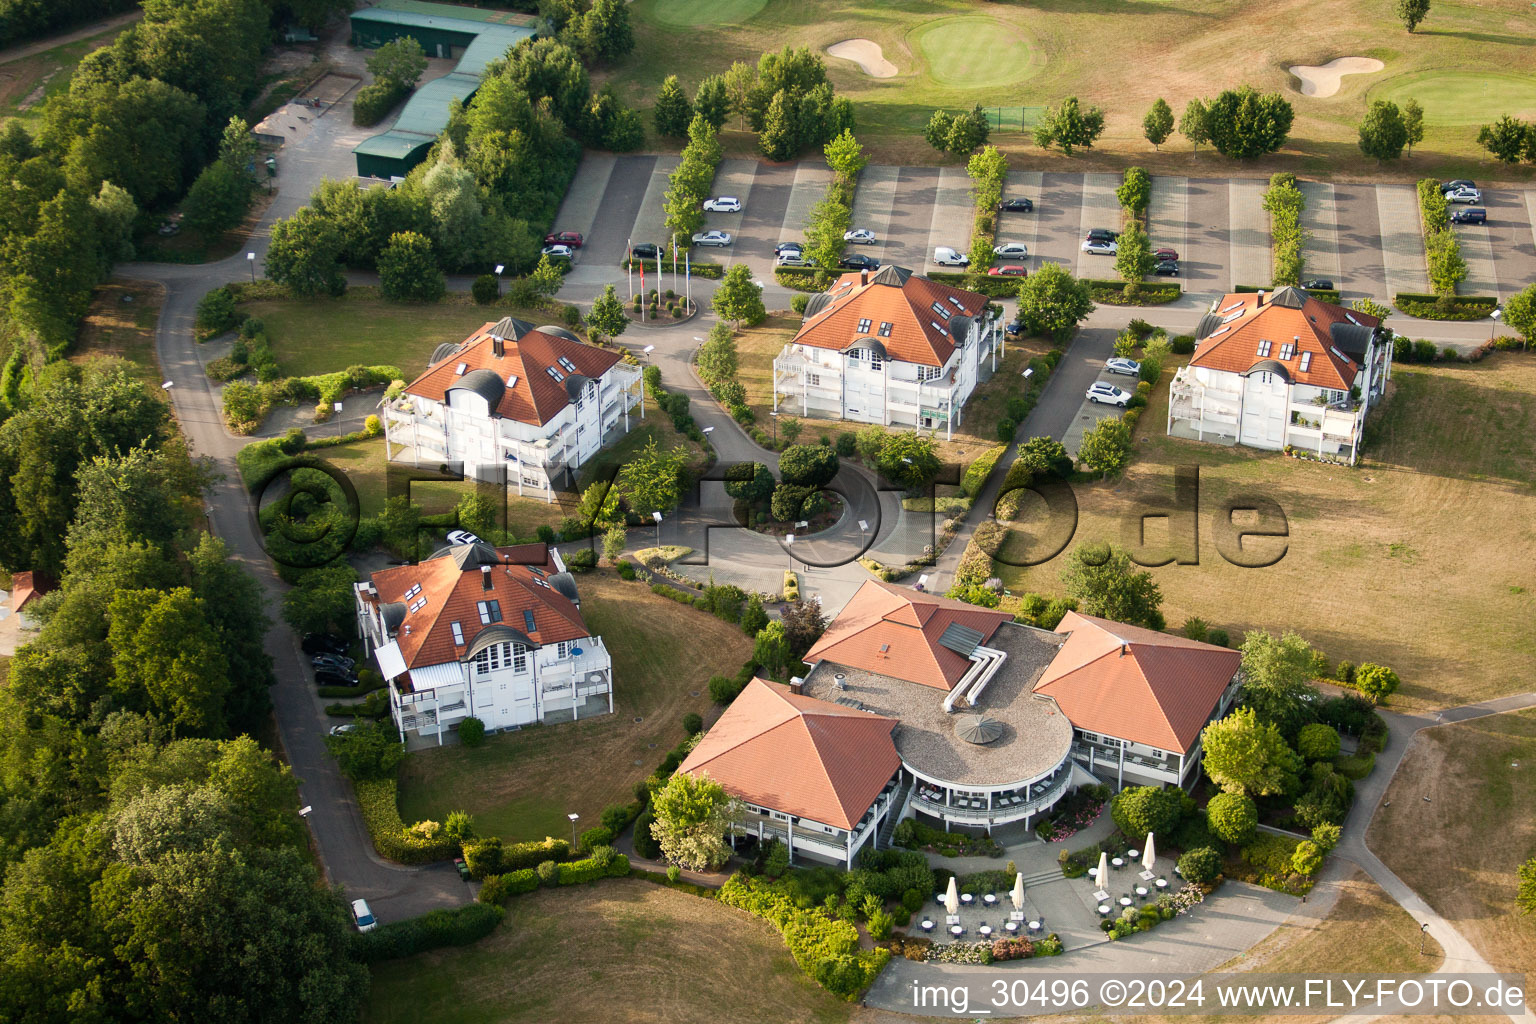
{"x": 1324, "y": 80}
{"x": 866, "y": 54}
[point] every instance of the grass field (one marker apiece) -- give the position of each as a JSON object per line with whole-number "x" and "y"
{"x": 1405, "y": 561}
{"x": 621, "y": 951}
{"x": 1457, "y": 820}
{"x": 322, "y": 335}
{"x": 951, "y": 54}
{"x": 522, "y": 785}
{"x": 758, "y": 346}
{"x": 26, "y": 83}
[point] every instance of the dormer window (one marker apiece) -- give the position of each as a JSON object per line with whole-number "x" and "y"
{"x": 863, "y": 327}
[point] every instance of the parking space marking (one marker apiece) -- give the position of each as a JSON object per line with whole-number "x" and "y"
{"x": 1477, "y": 250}
{"x": 1168, "y": 213}
{"x": 732, "y": 178}
{"x": 872, "y": 205}
{"x": 1022, "y": 227}
{"x": 1362, "y": 265}
{"x": 910, "y": 217}
{"x": 1058, "y": 216}
{"x": 1089, "y": 415}
{"x": 1320, "y": 220}
{"x": 1208, "y": 248}
{"x": 1100, "y": 209}
{"x": 623, "y": 192}
{"x": 950, "y": 222}
{"x": 809, "y": 188}
{"x": 762, "y": 220}
{"x": 651, "y": 220}
{"x": 1510, "y": 238}
{"x": 1402, "y": 240}
{"x": 1250, "y": 260}
{"x": 578, "y": 211}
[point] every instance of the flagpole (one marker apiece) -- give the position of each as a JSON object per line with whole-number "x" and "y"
{"x": 688, "y": 277}
{"x": 674, "y": 260}
{"x": 642, "y": 291}
{"x": 629, "y": 266}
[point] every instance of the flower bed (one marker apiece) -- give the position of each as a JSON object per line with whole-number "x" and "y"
{"x": 914, "y": 835}
{"x": 1112, "y": 293}
{"x": 1077, "y": 811}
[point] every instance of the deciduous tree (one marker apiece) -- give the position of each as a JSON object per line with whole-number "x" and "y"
{"x": 1106, "y": 448}
{"x": 1195, "y": 124}
{"x": 1104, "y": 583}
{"x": 738, "y": 298}
{"x": 713, "y": 101}
{"x": 1277, "y": 679}
{"x": 401, "y": 61}
{"x": 1507, "y": 139}
{"x": 607, "y": 314}
{"x": 1053, "y": 302}
{"x": 303, "y": 255}
{"x": 650, "y": 481}
{"x": 408, "y": 271}
{"x": 672, "y": 111}
{"x": 1069, "y": 126}
{"x": 1244, "y": 755}
{"x": 1413, "y": 123}
{"x": 1411, "y": 12}
{"x": 1158, "y": 124}
{"x": 692, "y": 814}
{"x": 1383, "y": 133}
{"x": 1245, "y": 123}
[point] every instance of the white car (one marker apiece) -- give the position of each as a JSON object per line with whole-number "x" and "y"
{"x": 344, "y": 728}
{"x": 1119, "y": 364}
{"x": 1012, "y": 250}
{"x": 944, "y": 256}
{"x": 720, "y": 238}
{"x": 558, "y": 252}
{"x": 363, "y": 917}
{"x": 1464, "y": 195}
{"x": 723, "y": 204}
{"x": 1100, "y": 247}
{"x": 462, "y": 537}
{"x": 1101, "y": 393}
{"x": 859, "y": 236}
{"x": 792, "y": 258}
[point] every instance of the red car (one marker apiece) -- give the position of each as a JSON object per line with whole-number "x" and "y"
{"x": 1009, "y": 270}
{"x": 570, "y": 238}
{"x": 1165, "y": 254}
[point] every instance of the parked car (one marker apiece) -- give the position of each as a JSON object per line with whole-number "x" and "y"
{"x": 1011, "y": 251}
{"x": 334, "y": 663}
{"x": 323, "y": 643}
{"x": 334, "y": 677}
{"x": 1101, "y": 247}
{"x": 1471, "y": 215}
{"x": 559, "y": 252}
{"x": 1008, "y": 270}
{"x": 1464, "y": 195}
{"x": 792, "y": 258}
{"x": 720, "y": 238}
{"x": 1101, "y": 393}
{"x": 1122, "y": 365}
{"x": 1166, "y": 268}
{"x": 859, "y": 236}
{"x": 645, "y": 251}
{"x": 784, "y": 247}
{"x": 1452, "y": 186}
{"x": 1166, "y": 253}
{"x": 944, "y": 256}
{"x": 462, "y": 537}
{"x": 1318, "y": 284}
{"x": 343, "y": 729}
{"x": 1015, "y": 328}
{"x": 723, "y": 204}
{"x": 363, "y": 917}
{"x": 1019, "y": 204}
{"x": 573, "y": 239}
{"x": 858, "y": 261}
{"x": 1101, "y": 235}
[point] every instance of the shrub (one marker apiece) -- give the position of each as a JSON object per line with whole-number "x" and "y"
{"x": 798, "y": 302}
{"x": 581, "y": 560}
{"x": 472, "y": 732}
{"x": 977, "y": 472}
{"x": 1345, "y": 673}
{"x": 548, "y": 872}
{"x": 626, "y": 571}
{"x": 1376, "y": 681}
{"x": 645, "y": 843}
{"x": 1182, "y": 344}
{"x": 216, "y": 312}
{"x": 374, "y": 101}
{"x": 597, "y": 835}
{"x": 1233, "y": 817}
{"x": 1317, "y": 742}
{"x": 692, "y": 723}
{"x": 485, "y": 289}
{"x": 1138, "y": 810}
{"x": 1218, "y": 637}
{"x": 1200, "y": 865}
{"x": 435, "y": 930}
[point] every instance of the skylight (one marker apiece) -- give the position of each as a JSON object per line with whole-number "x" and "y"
{"x": 528, "y": 621}
{"x": 1287, "y": 349}
{"x": 1231, "y": 316}
{"x": 1351, "y": 318}
{"x": 957, "y": 303}
{"x": 1264, "y": 347}
{"x": 1235, "y": 305}
{"x": 569, "y": 366}
{"x": 885, "y": 329}
{"x": 458, "y": 371}
{"x": 939, "y": 309}
{"x": 938, "y": 328}
{"x": 458, "y": 635}
{"x": 1217, "y": 334}
{"x": 863, "y": 327}
{"x": 415, "y": 589}
{"x": 418, "y": 604}
{"x": 1306, "y": 361}
{"x": 556, "y": 374}
{"x": 512, "y": 380}
{"x": 490, "y": 611}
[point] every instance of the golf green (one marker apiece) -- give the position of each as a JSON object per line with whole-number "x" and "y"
{"x": 688, "y": 13}
{"x": 972, "y": 52}
{"x": 1457, "y": 98}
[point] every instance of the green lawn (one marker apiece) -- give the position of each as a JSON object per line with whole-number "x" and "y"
{"x": 975, "y": 52}
{"x": 620, "y": 951}
{"x": 1464, "y": 98}
{"x": 522, "y": 785}
{"x": 323, "y": 335}
{"x": 50, "y": 70}
{"x": 692, "y": 13}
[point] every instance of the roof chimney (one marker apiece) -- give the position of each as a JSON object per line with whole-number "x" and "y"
{"x": 841, "y": 681}
{"x": 864, "y": 276}
{"x": 1261, "y": 299}
{"x": 498, "y": 347}
{"x": 1125, "y": 649}
{"x": 485, "y": 577}
{"x": 796, "y": 684}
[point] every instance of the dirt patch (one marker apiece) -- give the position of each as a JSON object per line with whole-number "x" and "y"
{"x": 1323, "y": 80}
{"x": 866, "y": 53}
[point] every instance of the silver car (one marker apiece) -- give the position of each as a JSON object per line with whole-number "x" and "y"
{"x": 1119, "y": 364}
{"x": 859, "y": 236}
{"x": 1100, "y": 247}
{"x": 720, "y": 238}
{"x": 1012, "y": 250}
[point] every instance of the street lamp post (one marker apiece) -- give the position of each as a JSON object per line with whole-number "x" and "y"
{"x": 499, "y": 268}
{"x": 250, "y": 261}
{"x": 1423, "y": 931}
{"x": 657, "y": 517}
{"x": 775, "y": 416}
{"x": 789, "y": 539}
{"x": 573, "y": 816}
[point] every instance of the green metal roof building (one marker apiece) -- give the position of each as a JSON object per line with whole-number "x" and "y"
{"x": 475, "y": 36}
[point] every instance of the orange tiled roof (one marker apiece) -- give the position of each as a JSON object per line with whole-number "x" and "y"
{"x": 425, "y": 636}
{"x": 798, "y": 755}
{"x": 918, "y": 334}
{"x": 1289, "y": 316}
{"x": 536, "y": 397}
{"x": 1136, "y": 684}
{"x": 26, "y": 585}
{"x": 907, "y": 625}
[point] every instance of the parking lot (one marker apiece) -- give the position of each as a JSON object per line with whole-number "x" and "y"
{"x": 1364, "y": 238}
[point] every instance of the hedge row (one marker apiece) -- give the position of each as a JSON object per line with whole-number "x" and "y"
{"x": 1442, "y": 249}
{"x": 246, "y": 404}
{"x": 826, "y": 950}
{"x": 1112, "y": 293}
{"x": 976, "y": 474}
{"x": 417, "y": 844}
{"x": 1445, "y": 307}
{"x": 1285, "y": 201}
{"x": 998, "y": 287}
{"x": 605, "y": 862}
{"x": 698, "y": 268}
{"x": 376, "y": 100}
{"x": 490, "y": 856}
{"x": 1325, "y": 294}
{"x": 435, "y": 930}
{"x": 802, "y": 279}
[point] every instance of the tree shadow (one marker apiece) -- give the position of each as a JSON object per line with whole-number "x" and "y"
{"x": 1482, "y": 37}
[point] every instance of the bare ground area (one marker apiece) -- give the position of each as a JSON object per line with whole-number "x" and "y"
{"x": 617, "y": 951}
{"x": 1409, "y": 560}
{"x": 121, "y": 322}
{"x": 1457, "y": 821}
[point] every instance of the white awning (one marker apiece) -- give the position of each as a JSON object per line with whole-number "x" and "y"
{"x": 449, "y": 673}
{"x": 391, "y": 664}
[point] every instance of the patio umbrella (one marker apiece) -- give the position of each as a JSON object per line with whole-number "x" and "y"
{"x": 1149, "y": 855}
{"x": 978, "y": 728}
{"x": 1018, "y": 892}
{"x": 1103, "y": 876}
{"x": 952, "y": 897}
